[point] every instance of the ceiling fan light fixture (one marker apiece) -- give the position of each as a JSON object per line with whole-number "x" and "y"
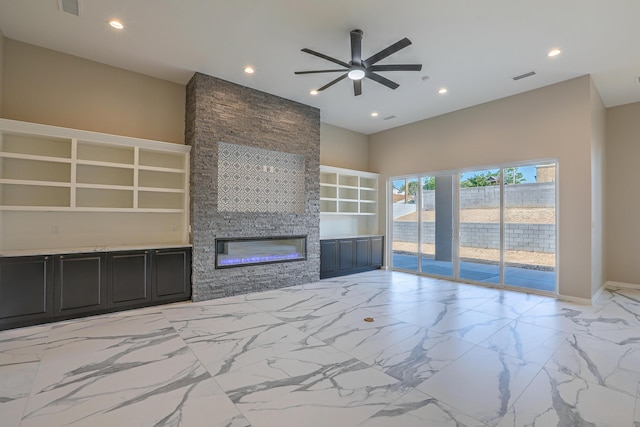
{"x": 356, "y": 74}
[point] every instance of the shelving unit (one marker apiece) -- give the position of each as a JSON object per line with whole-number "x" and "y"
{"x": 348, "y": 192}
{"x": 51, "y": 169}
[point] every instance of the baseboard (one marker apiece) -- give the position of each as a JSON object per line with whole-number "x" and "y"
{"x": 583, "y": 301}
{"x": 599, "y": 292}
{"x": 611, "y": 284}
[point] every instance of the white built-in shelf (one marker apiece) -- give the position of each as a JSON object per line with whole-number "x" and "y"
{"x": 348, "y": 192}
{"x": 49, "y": 168}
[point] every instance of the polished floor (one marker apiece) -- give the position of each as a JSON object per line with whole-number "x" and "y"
{"x": 528, "y": 278}
{"x": 438, "y": 353}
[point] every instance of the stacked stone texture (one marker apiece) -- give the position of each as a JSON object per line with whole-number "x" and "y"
{"x": 217, "y": 110}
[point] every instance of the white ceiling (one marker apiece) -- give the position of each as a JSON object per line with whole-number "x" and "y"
{"x": 471, "y": 47}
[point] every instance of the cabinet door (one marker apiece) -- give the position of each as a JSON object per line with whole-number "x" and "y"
{"x": 345, "y": 254}
{"x": 328, "y": 257}
{"x": 172, "y": 274}
{"x": 377, "y": 251}
{"x": 362, "y": 252}
{"x": 80, "y": 284}
{"x": 129, "y": 278}
{"x": 26, "y": 290}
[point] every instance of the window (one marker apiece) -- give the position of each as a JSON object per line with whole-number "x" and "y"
{"x": 490, "y": 225}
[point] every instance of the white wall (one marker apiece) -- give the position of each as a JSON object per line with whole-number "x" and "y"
{"x": 623, "y": 201}
{"x": 48, "y": 87}
{"x": 1, "y": 68}
{"x": 343, "y": 148}
{"x": 551, "y": 122}
{"x": 598, "y": 190}
{"x": 347, "y": 149}
{"x": 1, "y": 84}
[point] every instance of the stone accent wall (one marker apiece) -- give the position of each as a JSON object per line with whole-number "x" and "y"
{"x": 220, "y": 111}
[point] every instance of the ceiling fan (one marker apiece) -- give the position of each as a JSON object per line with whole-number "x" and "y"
{"x": 357, "y": 69}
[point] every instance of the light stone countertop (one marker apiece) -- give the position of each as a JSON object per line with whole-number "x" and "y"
{"x": 349, "y": 236}
{"x": 89, "y": 249}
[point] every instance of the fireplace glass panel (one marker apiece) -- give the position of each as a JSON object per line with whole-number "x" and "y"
{"x": 251, "y": 251}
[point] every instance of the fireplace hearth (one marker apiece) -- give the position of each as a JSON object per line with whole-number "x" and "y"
{"x": 238, "y": 252}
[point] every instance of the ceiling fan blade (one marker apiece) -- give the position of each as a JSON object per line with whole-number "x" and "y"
{"x": 323, "y": 56}
{"x": 332, "y": 82}
{"x": 387, "y": 51}
{"x": 382, "y": 80}
{"x": 357, "y": 87}
{"x": 356, "y": 47}
{"x": 396, "y": 67}
{"x": 319, "y": 71}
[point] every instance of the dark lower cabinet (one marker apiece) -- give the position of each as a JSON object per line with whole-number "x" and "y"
{"x": 80, "y": 284}
{"x": 40, "y": 289}
{"x": 339, "y": 257}
{"x": 377, "y": 251}
{"x": 328, "y": 257}
{"x": 363, "y": 252}
{"x": 172, "y": 275}
{"x": 129, "y": 278}
{"x": 346, "y": 248}
{"x": 26, "y": 290}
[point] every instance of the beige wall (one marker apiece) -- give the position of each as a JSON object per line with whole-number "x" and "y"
{"x": 44, "y": 86}
{"x": 623, "y": 203}
{"x": 1, "y": 68}
{"x": 343, "y": 148}
{"x": 551, "y": 122}
{"x": 598, "y": 193}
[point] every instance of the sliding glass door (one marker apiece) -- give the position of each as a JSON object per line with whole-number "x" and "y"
{"x": 479, "y": 242}
{"x": 437, "y": 225}
{"x": 404, "y": 250}
{"x": 530, "y": 227}
{"x": 495, "y": 226}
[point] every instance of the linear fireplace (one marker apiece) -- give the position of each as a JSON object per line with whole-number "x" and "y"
{"x": 259, "y": 250}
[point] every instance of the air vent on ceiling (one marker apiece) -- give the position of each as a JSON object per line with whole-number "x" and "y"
{"x": 522, "y": 76}
{"x": 388, "y": 117}
{"x": 70, "y": 6}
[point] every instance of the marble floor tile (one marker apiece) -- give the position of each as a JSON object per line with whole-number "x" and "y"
{"x": 438, "y": 353}
{"x": 310, "y": 387}
{"x": 531, "y": 343}
{"x": 359, "y": 338}
{"x": 612, "y": 362}
{"x": 562, "y": 316}
{"x": 482, "y": 383}
{"x": 554, "y": 399}
{"x": 429, "y": 314}
{"x": 17, "y": 373}
{"x": 510, "y": 304}
{"x": 419, "y": 356}
{"x": 472, "y": 326}
{"x": 416, "y": 409}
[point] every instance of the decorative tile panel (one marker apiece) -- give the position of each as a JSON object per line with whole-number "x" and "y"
{"x": 256, "y": 180}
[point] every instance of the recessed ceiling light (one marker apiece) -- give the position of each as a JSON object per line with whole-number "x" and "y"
{"x": 314, "y": 92}
{"x": 554, "y": 52}
{"x": 442, "y": 90}
{"x": 374, "y": 114}
{"x": 116, "y": 24}
{"x": 249, "y": 70}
